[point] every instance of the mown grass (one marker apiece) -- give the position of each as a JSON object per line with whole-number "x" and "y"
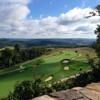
{"x": 8, "y": 80}
{"x": 50, "y": 65}
{"x": 82, "y": 57}
{"x": 74, "y": 68}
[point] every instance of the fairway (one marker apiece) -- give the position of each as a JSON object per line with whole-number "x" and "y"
{"x": 51, "y": 65}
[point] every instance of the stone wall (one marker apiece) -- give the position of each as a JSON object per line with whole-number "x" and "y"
{"x": 90, "y": 92}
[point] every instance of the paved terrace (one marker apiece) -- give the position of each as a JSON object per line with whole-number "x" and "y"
{"x": 90, "y": 92}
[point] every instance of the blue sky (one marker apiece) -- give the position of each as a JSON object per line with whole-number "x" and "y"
{"x": 56, "y": 7}
{"x": 47, "y": 18}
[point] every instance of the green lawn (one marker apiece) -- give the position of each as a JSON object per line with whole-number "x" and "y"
{"x": 52, "y": 63}
{"x": 74, "y": 67}
{"x": 45, "y": 67}
{"x": 83, "y": 57}
{"x": 8, "y": 80}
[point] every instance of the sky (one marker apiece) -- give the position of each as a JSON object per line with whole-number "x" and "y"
{"x": 47, "y": 18}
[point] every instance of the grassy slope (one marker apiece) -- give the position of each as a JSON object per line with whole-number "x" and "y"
{"x": 7, "y": 81}
{"x": 52, "y": 64}
{"x": 74, "y": 67}
{"x": 54, "y": 67}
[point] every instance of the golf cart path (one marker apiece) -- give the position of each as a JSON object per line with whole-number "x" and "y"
{"x": 76, "y": 57}
{"x": 21, "y": 66}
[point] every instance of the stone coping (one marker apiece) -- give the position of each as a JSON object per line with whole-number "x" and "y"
{"x": 89, "y": 92}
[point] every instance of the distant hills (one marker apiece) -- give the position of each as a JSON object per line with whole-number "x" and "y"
{"x": 56, "y": 43}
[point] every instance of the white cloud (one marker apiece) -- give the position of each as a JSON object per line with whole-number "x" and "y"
{"x": 73, "y": 16}
{"x": 84, "y": 27}
{"x": 13, "y": 13}
{"x": 48, "y": 21}
{"x": 15, "y": 1}
{"x": 15, "y": 24}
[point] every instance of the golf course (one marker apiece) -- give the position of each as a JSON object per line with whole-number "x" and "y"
{"x": 52, "y": 67}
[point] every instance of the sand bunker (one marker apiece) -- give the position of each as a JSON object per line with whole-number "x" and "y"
{"x": 66, "y": 68}
{"x": 48, "y": 79}
{"x": 65, "y": 61}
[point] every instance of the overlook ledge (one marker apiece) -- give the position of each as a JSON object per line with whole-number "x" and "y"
{"x": 89, "y": 92}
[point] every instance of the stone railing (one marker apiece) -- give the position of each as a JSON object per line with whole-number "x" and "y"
{"x": 89, "y": 92}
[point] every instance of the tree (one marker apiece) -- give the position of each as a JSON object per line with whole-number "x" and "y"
{"x": 97, "y": 32}
{"x": 96, "y": 44}
{"x": 76, "y": 51}
{"x": 7, "y": 57}
{"x": 28, "y": 89}
{"x": 17, "y": 48}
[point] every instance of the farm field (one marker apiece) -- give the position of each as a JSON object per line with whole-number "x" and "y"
{"x": 46, "y": 66}
{"x": 7, "y": 47}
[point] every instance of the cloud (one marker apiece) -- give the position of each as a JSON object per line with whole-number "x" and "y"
{"x": 48, "y": 21}
{"x": 14, "y": 12}
{"x": 73, "y": 16}
{"x": 85, "y": 27}
{"x": 15, "y": 1}
{"x": 14, "y": 22}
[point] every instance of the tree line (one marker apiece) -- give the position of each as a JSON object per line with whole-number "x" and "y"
{"x": 55, "y": 43}
{"x": 10, "y": 57}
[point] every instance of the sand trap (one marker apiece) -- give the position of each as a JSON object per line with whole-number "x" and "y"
{"x": 66, "y": 68}
{"x": 48, "y": 79}
{"x": 65, "y": 61}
